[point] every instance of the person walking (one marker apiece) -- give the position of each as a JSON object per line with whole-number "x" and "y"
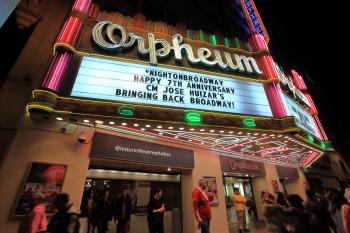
{"x": 239, "y": 202}
{"x": 103, "y": 212}
{"x": 122, "y": 211}
{"x": 201, "y": 206}
{"x": 320, "y": 219}
{"x": 156, "y": 209}
{"x": 345, "y": 209}
{"x": 35, "y": 220}
{"x": 66, "y": 219}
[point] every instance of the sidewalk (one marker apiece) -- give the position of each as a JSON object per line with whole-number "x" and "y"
{"x": 253, "y": 225}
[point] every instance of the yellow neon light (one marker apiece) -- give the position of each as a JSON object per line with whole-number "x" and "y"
{"x": 67, "y": 46}
{"x": 43, "y": 107}
{"x": 51, "y": 110}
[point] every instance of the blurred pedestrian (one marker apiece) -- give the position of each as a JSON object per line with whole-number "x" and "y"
{"x": 103, "y": 212}
{"x": 156, "y": 209}
{"x": 122, "y": 211}
{"x": 301, "y": 220}
{"x": 35, "y": 220}
{"x": 281, "y": 199}
{"x": 345, "y": 209}
{"x": 66, "y": 219}
{"x": 320, "y": 219}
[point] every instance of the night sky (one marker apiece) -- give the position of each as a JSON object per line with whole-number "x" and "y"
{"x": 309, "y": 36}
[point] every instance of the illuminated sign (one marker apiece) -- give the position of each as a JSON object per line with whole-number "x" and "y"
{"x": 288, "y": 83}
{"x": 103, "y": 35}
{"x": 256, "y": 23}
{"x": 136, "y": 83}
{"x": 302, "y": 117}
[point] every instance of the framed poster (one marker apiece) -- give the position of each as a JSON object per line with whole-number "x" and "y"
{"x": 275, "y": 187}
{"x": 212, "y": 191}
{"x": 43, "y": 178}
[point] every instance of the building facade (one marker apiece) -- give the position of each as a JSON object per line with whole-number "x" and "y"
{"x": 120, "y": 100}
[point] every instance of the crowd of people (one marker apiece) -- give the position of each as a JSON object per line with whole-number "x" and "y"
{"x": 101, "y": 210}
{"x": 326, "y": 213}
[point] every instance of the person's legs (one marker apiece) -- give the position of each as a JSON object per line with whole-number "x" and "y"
{"x": 205, "y": 226}
{"x": 151, "y": 227}
{"x": 119, "y": 226}
{"x": 102, "y": 226}
{"x": 160, "y": 228}
{"x": 240, "y": 215}
{"x": 245, "y": 227}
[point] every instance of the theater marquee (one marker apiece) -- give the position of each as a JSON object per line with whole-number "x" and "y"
{"x": 127, "y": 82}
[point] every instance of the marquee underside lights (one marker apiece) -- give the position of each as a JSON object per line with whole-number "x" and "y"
{"x": 273, "y": 148}
{"x": 223, "y": 133}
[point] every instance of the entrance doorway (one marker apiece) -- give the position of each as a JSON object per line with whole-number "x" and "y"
{"x": 140, "y": 186}
{"x": 245, "y": 188}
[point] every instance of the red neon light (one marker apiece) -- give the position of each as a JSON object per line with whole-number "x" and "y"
{"x": 320, "y": 128}
{"x": 298, "y": 81}
{"x": 55, "y": 73}
{"x": 82, "y": 5}
{"x": 274, "y": 97}
{"x": 310, "y": 159}
{"x": 71, "y": 30}
{"x": 313, "y": 109}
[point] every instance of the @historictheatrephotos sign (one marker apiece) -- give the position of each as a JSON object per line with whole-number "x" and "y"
{"x": 127, "y": 82}
{"x": 119, "y": 148}
{"x": 103, "y": 34}
{"x": 234, "y": 165}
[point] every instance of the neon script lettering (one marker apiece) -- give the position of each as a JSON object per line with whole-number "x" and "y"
{"x": 104, "y": 32}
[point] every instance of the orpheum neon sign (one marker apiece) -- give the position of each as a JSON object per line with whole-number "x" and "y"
{"x": 103, "y": 35}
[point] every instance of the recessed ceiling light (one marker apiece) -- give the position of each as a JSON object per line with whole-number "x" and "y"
{"x": 99, "y": 122}
{"x": 136, "y": 125}
{"x": 159, "y": 127}
{"x": 221, "y": 131}
{"x": 169, "y": 169}
{"x": 148, "y": 126}
{"x": 86, "y": 121}
{"x": 143, "y": 129}
{"x": 124, "y": 123}
{"x": 191, "y": 129}
{"x": 111, "y": 122}
{"x": 239, "y": 132}
{"x": 181, "y": 128}
{"x": 202, "y": 130}
{"x": 190, "y": 140}
{"x": 230, "y": 132}
{"x": 170, "y": 127}
{"x": 160, "y": 133}
{"x": 212, "y": 131}
{"x": 59, "y": 118}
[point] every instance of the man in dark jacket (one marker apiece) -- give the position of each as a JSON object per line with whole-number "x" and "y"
{"x": 122, "y": 211}
{"x": 66, "y": 219}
